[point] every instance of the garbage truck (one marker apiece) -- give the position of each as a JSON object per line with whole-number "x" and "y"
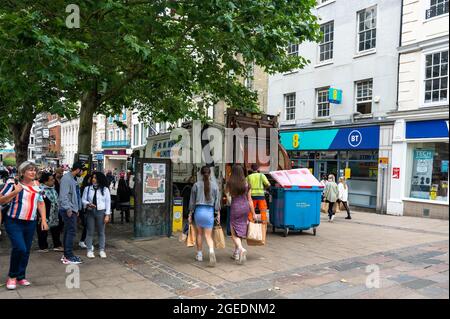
{"x": 185, "y": 174}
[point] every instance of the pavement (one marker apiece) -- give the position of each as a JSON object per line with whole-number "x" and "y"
{"x": 370, "y": 256}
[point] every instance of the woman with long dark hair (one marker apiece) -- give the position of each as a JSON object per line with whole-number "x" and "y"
{"x": 87, "y": 181}
{"x": 97, "y": 202}
{"x": 204, "y": 202}
{"x": 123, "y": 198}
{"x": 241, "y": 206}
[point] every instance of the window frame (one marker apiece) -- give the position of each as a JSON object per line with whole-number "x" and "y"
{"x": 422, "y": 80}
{"x": 356, "y": 95}
{"x": 324, "y": 44}
{"x": 285, "y": 107}
{"x": 136, "y": 134}
{"x": 249, "y": 80}
{"x": 358, "y": 32}
{"x": 319, "y": 90}
{"x": 290, "y": 52}
{"x": 428, "y": 9}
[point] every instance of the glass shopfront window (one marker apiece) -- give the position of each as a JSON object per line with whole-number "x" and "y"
{"x": 429, "y": 171}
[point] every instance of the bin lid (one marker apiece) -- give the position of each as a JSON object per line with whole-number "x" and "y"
{"x": 300, "y": 177}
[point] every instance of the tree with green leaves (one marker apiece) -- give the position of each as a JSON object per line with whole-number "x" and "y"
{"x": 157, "y": 56}
{"x": 36, "y": 73}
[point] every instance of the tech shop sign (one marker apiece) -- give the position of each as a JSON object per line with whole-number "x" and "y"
{"x": 427, "y": 129}
{"x": 356, "y": 138}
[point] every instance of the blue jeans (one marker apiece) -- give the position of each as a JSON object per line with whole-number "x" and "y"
{"x": 70, "y": 232}
{"x": 21, "y": 233}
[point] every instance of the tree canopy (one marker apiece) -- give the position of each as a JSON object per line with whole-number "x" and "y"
{"x": 157, "y": 56}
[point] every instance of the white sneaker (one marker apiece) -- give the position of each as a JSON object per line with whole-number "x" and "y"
{"x": 82, "y": 244}
{"x": 212, "y": 259}
{"x": 90, "y": 254}
{"x": 199, "y": 257}
{"x": 235, "y": 255}
{"x": 102, "y": 254}
{"x": 332, "y": 218}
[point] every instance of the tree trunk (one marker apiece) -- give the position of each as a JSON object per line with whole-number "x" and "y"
{"x": 88, "y": 107}
{"x": 21, "y": 136}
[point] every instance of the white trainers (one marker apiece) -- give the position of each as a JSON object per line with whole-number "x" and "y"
{"x": 235, "y": 255}
{"x": 212, "y": 259}
{"x": 90, "y": 254}
{"x": 199, "y": 257}
{"x": 102, "y": 254}
{"x": 332, "y": 218}
{"x": 82, "y": 244}
{"x": 242, "y": 256}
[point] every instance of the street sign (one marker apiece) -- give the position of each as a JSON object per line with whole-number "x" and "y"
{"x": 383, "y": 162}
{"x": 334, "y": 96}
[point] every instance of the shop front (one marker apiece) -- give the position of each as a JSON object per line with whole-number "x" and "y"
{"x": 349, "y": 152}
{"x": 115, "y": 159}
{"x": 419, "y": 184}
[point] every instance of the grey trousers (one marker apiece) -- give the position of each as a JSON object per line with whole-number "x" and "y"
{"x": 95, "y": 217}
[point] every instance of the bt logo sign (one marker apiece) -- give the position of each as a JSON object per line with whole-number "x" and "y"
{"x": 355, "y": 138}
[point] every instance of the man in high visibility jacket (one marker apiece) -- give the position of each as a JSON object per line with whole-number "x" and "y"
{"x": 258, "y": 182}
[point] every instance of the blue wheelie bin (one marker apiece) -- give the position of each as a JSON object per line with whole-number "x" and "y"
{"x": 295, "y": 203}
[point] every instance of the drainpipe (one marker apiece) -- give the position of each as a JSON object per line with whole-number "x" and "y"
{"x": 399, "y": 46}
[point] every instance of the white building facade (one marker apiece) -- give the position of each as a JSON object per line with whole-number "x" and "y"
{"x": 69, "y": 140}
{"x": 419, "y": 170}
{"x": 357, "y": 59}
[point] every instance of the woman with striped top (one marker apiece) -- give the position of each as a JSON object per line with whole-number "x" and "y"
{"x": 25, "y": 200}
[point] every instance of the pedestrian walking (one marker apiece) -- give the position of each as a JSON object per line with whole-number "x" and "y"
{"x": 204, "y": 205}
{"x": 69, "y": 202}
{"x": 331, "y": 195}
{"x": 97, "y": 201}
{"x": 343, "y": 195}
{"x": 123, "y": 197}
{"x": 109, "y": 177}
{"x": 26, "y": 200}
{"x": 54, "y": 221}
{"x": 87, "y": 181}
{"x": 241, "y": 205}
{"x": 258, "y": 182}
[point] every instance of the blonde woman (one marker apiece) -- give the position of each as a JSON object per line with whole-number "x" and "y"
{"x": 331, "y": 195}
{"x": 343, "y": 195}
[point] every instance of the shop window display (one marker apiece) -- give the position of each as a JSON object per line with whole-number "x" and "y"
{"x": 429, "y": 175}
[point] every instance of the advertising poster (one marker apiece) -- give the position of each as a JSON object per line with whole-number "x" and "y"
{"x": 154, "y": 183}
{"x": 422, "y": 173}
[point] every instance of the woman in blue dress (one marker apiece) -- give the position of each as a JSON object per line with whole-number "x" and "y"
{"x": 204, "y": 205}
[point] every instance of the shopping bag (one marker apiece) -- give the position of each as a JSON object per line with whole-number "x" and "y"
{"x": 218, "y": 237}
{"x": 262, "y": 242}
{"x": 191, "y": 238}
{"x": 324, "y": 207}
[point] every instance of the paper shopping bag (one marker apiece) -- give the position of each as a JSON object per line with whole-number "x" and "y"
{"x": 324, "y": 207}
{"x": 256, "y": 234}
{"x": 218, "y": 237}
{"x": 191, "y": 239}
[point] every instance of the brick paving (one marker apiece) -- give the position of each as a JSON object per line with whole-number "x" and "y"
{"x": 409, "y": 254}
